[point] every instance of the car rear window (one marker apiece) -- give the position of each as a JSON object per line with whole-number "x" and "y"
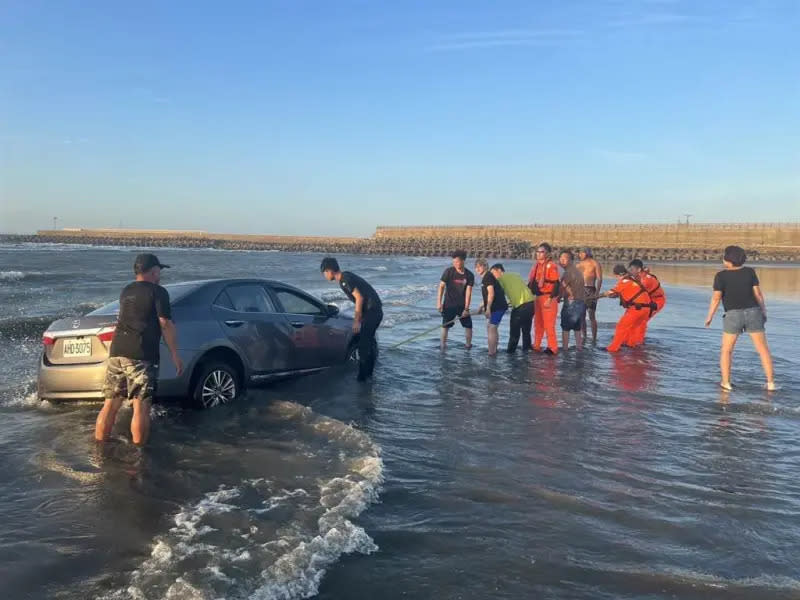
{"x": 177, "y": 292}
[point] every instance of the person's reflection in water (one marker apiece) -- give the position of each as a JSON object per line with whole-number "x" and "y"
{"x": 757, "y": 410}
{"x": 731, "y": 453}
{"x": 547, "y": 390}
{"x": 119, "y": 456}
{"x": 634, "y": 372}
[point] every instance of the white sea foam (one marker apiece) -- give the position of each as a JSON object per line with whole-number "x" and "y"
{"x": 406, "y": 295}
{"x": 299, "y": 571}
{"x": 12, "y": 275}
{"x": 230, "y": 543}
{"x": 393, "y": 320}
{"x": 403, "y": 295}
{"x": 24, "y": 396}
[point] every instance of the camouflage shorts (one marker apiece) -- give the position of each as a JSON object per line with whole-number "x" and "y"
{"x": 128, "y": 379}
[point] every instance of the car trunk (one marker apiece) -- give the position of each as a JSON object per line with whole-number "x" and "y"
{"x": 79, "y": 340}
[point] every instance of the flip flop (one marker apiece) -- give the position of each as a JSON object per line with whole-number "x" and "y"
{"x": 726, "y": 386}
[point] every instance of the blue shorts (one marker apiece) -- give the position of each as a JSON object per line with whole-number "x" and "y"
{"x": 740, "y": 320}
{"x": 496, "y": 317}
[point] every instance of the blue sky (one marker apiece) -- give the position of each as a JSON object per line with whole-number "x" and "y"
{"x": 332, "y": 117}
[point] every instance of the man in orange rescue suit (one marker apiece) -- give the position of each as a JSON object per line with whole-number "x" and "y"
{"x": 544, "y": 281}
{"x": 653, "y": 287}
{"x": 638, "y": 306}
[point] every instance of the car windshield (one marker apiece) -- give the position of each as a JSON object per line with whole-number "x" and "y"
{"x": 177, "y": 291}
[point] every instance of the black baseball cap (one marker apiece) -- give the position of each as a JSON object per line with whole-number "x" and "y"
{"x": 145, "y": 262}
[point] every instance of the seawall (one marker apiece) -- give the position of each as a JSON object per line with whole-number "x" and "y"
{"x": 676, "y": 243}
{"x": 675, "y": 235}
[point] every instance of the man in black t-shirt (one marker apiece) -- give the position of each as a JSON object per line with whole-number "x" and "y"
{"x": 132, "y": 372}
{"x": 494, "y": 304}
{"x": 454, "y": 296}
{"x": 368, "y": 313}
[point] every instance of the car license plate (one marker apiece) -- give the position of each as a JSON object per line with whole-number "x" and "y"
{"x": 77, "y": 347}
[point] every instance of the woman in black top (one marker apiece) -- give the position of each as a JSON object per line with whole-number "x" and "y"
{"x": 745, "y": 311}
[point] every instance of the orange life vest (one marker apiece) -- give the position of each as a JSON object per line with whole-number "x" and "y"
{"x": 544, "y": 278}
{"x": 633, "y": 294}
{"x": 652, "y": 285}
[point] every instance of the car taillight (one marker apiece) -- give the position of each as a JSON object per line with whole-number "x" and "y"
{"x": 48, "y": 341}
{"x": 106, "y": 335}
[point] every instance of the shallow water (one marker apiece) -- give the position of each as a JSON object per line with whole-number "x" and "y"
{"x": 586, "y": 475}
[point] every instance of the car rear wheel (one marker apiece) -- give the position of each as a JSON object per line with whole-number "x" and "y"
{"x": 217, "y": 383}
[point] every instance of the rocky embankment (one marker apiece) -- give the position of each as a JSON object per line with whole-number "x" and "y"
{"x": 442, "y": 245}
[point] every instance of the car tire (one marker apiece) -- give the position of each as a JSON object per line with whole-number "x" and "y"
{"x": 217, "y": 383}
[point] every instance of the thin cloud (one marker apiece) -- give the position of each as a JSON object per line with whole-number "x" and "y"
{"x": 503, "y": 38}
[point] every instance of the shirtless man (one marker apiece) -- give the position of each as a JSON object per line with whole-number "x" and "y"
{"x": 593, "y": 281}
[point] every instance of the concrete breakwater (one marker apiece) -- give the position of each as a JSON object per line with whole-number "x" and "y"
{"x": 673, "y": 235}
{"x": 675, "y": 243}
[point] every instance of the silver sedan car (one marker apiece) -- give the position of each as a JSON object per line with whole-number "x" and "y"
{"x": 231, "y": 333}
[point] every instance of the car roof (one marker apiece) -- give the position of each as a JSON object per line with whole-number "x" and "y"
{"x": 204, "y": 284}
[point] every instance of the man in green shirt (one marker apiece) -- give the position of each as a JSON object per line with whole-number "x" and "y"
{"x": 521, "y": 300}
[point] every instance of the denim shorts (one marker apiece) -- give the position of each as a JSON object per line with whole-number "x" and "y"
{"x": 740, "y": 320}
{"x": 573, "y": 314}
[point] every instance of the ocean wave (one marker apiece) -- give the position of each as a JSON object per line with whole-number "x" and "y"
{"x": 24, "y": 396}
{"x": 24, "y": 328}
{"x": 32, "y": 327}
{"x": 408, "y": 290}
{"x": 401, "y": 295}
{"x": 63, "y": 247}
{"x": 331, "y": 295}
{"x": 395, "y": 319}
{"x": 673, "y": 581}
{"x": 264, "y": 540}
{"x": 19, "y": 275}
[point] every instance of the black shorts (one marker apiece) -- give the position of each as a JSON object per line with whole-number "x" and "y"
{"x": 449, "y": 314}
{"x": 591, "y": 291}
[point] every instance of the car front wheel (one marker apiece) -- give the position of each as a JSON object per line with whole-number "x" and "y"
{"x": 218, "y": 383}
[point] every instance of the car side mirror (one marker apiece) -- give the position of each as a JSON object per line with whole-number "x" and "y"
{"x": 333, "y": 310}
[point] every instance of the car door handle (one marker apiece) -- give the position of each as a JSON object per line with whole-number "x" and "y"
{"x": 298, "y": 324}
{"x": 234, "y": 323}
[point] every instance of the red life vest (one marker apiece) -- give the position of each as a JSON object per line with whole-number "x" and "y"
{"x": 544, "y": 278}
